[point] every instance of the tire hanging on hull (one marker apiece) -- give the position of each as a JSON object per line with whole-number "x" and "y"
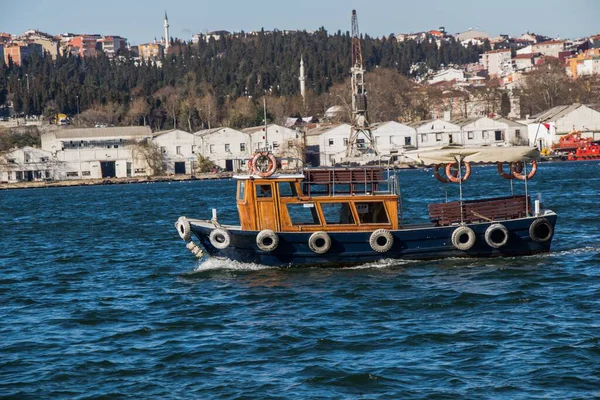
{"x": 463, "y": 238}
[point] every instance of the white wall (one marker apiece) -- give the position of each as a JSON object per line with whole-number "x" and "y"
{"x": 222, "y": 144}
{"x": 437, "y": 133}
{"x": 177, "y": 146}
{"x": 394, "y": 137}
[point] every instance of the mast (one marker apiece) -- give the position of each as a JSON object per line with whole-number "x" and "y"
{"x": 360, "y": 122}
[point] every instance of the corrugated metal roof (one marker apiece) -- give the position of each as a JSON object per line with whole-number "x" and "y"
{"x": 322, "y": 129}
{"x": 509, "y": 122}
{"x": 88, "y": 133}
{"x": 464, "y": 121}
{"x": 555, "y": 113}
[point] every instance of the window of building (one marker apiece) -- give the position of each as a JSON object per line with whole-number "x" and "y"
{"x": 290, "y": 143}
{"x": 72, "y": 174}
{"x": 346, "y": 141}
{"x": 337, "y": 213}
{"x": 258, "y": 145}
{"x": 178, "y": 150}
{"x": 498, "y": 135}
{"x": 211, "y": 148}
{"x": 287, "y": 189}
{"x": 372, "y": 212}
{"x": 242, "y": 146}
{"x": 438, "y": 137}
{"x": 407, "y": 140}
{"x": 484, "y": 135}
{"x": 423, "y": 137}
{"x": 470, "y": 135}
{"x": 331, "y": 142}
{"x": 303, "y": 214}
{"x": 194, "y": 148}
{"x": 27, "y": 157}
{"x": 86, "y": 173}
{"x": 264, "y": 191}
{"x": 517, "y": 133}
{"x": 163, "y": 149}
{"x": 227, "y": 148}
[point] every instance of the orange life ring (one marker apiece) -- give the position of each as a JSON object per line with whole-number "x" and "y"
{"x": 250, "y": 165}
{"x": 453, "y": 176}
{"x": 438, "y": 176}
{"x": 518, "y": 166}
{"x": 517, "y": 174}
{"x": 271, "y": 165}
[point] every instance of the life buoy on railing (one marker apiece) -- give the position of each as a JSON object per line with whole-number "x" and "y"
{"x": 319, "y": 242}
{"x": 496, "y": 235}
{"x": 220, "y": 238}
{"x": 381, "y": 240}
{"x": 463, "y": 238}
{"x": 453, "y": 175}
{"x": 267, "y": 240}
{"x": 258, "y": 164}
{"x": 518, "y": 166}
{"x": 438, "y": 176}
{"x": 540, "y": 230}
{"x": 517, "y": 174}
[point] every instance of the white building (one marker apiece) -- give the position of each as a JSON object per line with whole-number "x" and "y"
{"x": 436, "y": 133}
{"x": 27, "y": 164}
{"x": 393, "y": 137}
{"x": 178, "y": 149}
{"x": 228, "y": 148}
{"x": 472, "y": 35}
{"x": 448, "y": 75}
{"x": 285, "y": 143}
{"x": 98, "y": 152}
{"x": 485, "y": 131}
{"x": 545, "y": 128}
{"x": 326, "y": 145}
{"x": 551, "y": 48}
{"x": 497, "y": 62}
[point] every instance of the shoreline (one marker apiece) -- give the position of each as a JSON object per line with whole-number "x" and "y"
{"x": 113, "y": 181}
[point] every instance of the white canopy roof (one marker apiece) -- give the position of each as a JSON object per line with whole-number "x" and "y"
{"x": 473, "y": 154}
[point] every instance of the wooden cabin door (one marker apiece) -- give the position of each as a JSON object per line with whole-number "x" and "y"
{"x": 267, "y": 212}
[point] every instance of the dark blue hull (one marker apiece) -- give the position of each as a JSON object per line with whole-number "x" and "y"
{"x": 350, "y": 248}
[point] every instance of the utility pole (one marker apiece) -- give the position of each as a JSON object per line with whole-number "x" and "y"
{"x": 360, "y": 121}
{"x": 265, "y": 112}
{"x": 27, "y": 76}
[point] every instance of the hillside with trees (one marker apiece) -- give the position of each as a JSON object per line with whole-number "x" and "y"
{"x": 222, "y": 82}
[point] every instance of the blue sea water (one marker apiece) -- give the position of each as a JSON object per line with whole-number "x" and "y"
{"x": 99, "y": 298}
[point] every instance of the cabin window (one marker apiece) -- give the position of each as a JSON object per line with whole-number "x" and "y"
{"x": 287, "y": 189}
{"x": 241, "y": 190}
{"x": 372, "y": 212}
{"x": 337, "y": 213}
{"x": 264, "y": 191}
{"x": 303, "y": 214}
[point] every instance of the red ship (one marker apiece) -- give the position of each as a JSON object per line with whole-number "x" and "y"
{"x": 573, "y": 147}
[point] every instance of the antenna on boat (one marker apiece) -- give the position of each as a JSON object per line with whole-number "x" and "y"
{"x": 265, "y": 113}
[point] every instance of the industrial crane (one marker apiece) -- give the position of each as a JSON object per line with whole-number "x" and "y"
{"x": 361, "y": 141}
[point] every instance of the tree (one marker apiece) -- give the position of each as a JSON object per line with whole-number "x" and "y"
{"x": 150, "y": 153}
{"x": 204, "y": 164}
{"x": 505, "y": 104}
{"x": 546, "y": 87}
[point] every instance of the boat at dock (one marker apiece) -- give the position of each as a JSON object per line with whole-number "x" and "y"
{"x": 353, "y": 215}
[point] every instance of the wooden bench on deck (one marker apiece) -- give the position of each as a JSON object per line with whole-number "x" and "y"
{"x": 485, "y": 210}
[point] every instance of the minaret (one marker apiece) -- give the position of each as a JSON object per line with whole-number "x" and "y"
{"x": 302, "y": 79}
{"x": 167, "y": 37}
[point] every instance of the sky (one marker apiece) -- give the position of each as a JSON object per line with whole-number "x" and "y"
{"x": 142, "y": 21}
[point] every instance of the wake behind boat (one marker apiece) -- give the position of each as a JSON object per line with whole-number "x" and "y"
{"x": 346, "y": 216}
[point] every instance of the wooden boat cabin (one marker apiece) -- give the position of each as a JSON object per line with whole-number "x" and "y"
{"x": 344, "y": 199}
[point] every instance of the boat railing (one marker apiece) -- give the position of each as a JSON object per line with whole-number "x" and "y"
{"x": 349, "y": 181}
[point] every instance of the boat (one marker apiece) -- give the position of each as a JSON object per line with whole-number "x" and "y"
{"x": 344, "y": 216}
{"x": 574, "y": 147}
